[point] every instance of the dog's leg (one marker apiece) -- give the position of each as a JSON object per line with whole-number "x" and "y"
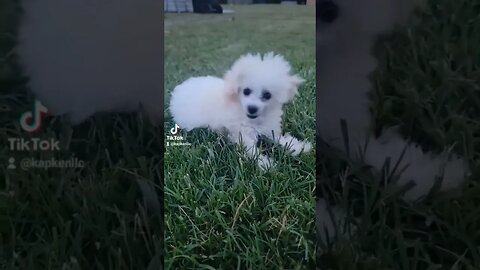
{"x": 248, "y": 140}
{"x": 294, "y": 145}
{"x": 264, "y": 162}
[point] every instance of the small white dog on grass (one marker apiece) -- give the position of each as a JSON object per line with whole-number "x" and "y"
{"x": 246, "y": 103}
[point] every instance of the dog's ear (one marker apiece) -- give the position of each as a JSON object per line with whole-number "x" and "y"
{"x": 232, "y": 79}
{"x": 294, "y": 82}
{"x": 237, "y": 72}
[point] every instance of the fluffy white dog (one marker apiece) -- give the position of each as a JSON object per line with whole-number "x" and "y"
{"x": 246, "y": 103}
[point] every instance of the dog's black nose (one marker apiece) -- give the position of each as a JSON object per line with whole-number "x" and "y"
{"x": 327, "y": 11}
{"x": 252, "y": 109}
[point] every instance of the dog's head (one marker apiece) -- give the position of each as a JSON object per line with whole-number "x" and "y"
{"x": 262, "y": 83}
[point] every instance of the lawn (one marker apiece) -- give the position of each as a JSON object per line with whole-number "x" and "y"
{"x": 221, "y": 212}
{"x": 105, "y": 215}
{"x": 428, "y": 82}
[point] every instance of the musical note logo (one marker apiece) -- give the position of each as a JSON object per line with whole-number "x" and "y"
{"x": 175, "y": 129}
{"x": 31, "y": 121}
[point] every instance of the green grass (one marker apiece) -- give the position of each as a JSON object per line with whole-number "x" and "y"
{"x": 428, "y": 82}
{"x": 104, "y": 216}
{"x": 221, "y": 212}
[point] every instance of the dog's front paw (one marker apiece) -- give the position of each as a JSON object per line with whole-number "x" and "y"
{"x": 307, "y": 147}
{"x": 265, "y": 163}
{"x": 300, "y": 147}
{"x": 294, "y": 145}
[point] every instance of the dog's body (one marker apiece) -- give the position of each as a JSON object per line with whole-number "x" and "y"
{"x": 246, "y": 103}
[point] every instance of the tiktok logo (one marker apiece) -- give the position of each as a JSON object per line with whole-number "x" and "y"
{"x": 175, "y": 129}
{"x": 31, "y": 121}
{"x": 174, "y": 139}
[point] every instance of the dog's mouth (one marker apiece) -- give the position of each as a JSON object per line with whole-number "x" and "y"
{"x": 252, "y": 116}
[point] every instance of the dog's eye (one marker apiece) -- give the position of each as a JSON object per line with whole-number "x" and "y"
{"x": 266, "y": 95}
{"x": 247, "y": 91}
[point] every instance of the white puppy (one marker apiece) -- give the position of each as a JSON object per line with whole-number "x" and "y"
{"x": 246, "y": 103}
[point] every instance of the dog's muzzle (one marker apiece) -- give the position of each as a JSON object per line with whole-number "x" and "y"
{"x": 252, "y": 111}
